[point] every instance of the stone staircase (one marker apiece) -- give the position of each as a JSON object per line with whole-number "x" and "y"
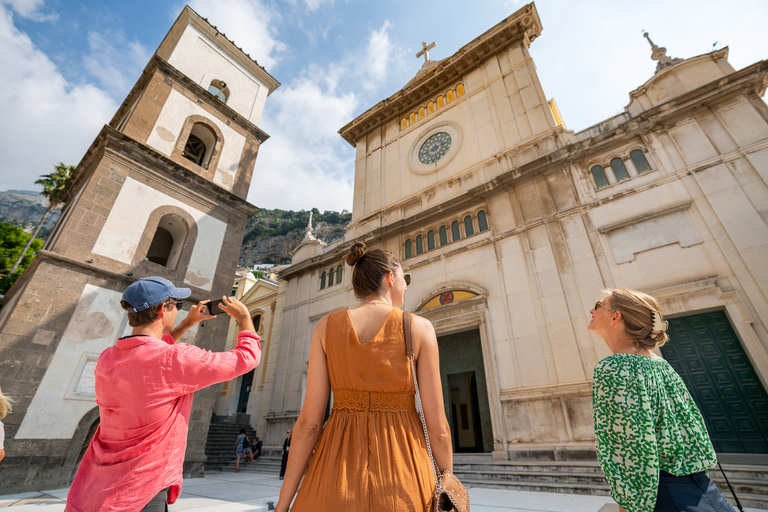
{"x": 586, "y": 477}
{"x": 220, "y": 446}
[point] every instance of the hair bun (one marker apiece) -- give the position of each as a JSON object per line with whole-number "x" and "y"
{"x": 356, "y": 252}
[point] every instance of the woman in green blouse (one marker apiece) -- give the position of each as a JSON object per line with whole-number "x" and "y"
{"x": 650, "y": 437}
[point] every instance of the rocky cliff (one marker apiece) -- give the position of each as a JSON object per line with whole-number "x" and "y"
{"x": 270, "y": 235}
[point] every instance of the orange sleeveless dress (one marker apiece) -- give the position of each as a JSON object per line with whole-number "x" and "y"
{"x": 372, "y": 454}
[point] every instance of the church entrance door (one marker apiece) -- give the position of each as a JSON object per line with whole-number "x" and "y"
{"x": 465, "y": 394}
{"x": 709, "y": 357}
{"x": 245, "y": 391}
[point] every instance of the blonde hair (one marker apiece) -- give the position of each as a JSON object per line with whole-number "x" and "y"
{"x": 5, "y": 404}
{"x": 638, "y": 310}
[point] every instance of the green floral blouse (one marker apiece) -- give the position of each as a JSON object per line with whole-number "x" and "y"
{"x": 645, "y": 420}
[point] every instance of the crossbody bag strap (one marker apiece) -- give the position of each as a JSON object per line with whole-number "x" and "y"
{"x": 407, "y": 331}
{"x": 738, "y": 503}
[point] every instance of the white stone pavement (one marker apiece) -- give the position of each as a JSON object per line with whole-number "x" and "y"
{"x": 250, "y": 492}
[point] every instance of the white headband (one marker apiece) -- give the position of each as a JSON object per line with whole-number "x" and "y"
{"x": 658, "y": 324}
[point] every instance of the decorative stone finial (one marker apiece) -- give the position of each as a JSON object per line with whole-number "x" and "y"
{"x": 308, "y": 236}
{"x": 425, "y": 53}
{"x": 660, "y": 54}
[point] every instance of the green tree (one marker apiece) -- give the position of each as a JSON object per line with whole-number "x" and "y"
{"x": 258, "y": 274}
{"x": 12, "y": 240}
{"x": 53, "y": 186}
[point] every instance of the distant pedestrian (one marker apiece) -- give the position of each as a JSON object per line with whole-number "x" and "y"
{"x": 286, "y": 448}
{"x": 5, "y": 408}
{"x": 256, "y": 448}
{"x": 243, "y": 449}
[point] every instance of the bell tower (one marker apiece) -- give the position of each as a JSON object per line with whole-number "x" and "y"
{"x": 161, "y": 191}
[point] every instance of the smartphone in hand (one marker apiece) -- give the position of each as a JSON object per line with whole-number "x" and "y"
{"x": 213, "y": 307}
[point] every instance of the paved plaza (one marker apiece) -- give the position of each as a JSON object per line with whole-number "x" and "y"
{"x": 251, "y": 492}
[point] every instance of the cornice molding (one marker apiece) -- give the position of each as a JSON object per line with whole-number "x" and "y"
{"x": 145, "y": 156}
{"x": 156, "y": 63}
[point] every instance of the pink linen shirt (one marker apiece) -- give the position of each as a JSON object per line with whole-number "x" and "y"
{"x": 144, "y": 390}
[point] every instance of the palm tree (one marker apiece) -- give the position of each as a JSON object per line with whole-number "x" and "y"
{"x": 53, "y": 185}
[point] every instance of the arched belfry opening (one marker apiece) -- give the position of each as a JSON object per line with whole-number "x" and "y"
{"x": 168, "y": 241}
{"x": 219, "y": 89}
{"x": 200, "y": 145}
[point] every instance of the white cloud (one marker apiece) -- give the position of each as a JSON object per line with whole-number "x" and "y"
{"x": 305, "y": 163}
{"x": 29, "y": 9}
{"x": 378, "y": 55}
{"x": 113, "y": 62}
{"x": 249, "y": 23}
{"x": 45, "y": 118}
{"x": 313, "y": 5}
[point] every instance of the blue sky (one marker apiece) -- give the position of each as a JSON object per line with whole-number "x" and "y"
{"x": 68, "y": 64}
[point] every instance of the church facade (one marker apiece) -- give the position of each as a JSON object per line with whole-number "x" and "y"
{"x": 511, "y": 226}
{"x": 161, "y": 191}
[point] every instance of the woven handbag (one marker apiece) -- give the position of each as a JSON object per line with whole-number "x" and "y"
{"x": 450, "y": 494}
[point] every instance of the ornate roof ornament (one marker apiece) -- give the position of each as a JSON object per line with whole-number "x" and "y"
{"x": 308, "y": 236}
{"x": 660, "y": 54}
{"x": 425, "y": 52}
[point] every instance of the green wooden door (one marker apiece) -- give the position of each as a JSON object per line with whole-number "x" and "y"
{"x": 706, "y": 353}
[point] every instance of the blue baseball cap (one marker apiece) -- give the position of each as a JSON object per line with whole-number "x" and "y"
{"x": 150, "y": 291}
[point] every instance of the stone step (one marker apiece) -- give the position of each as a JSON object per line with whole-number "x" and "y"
{"x": 586, "y": 477}
{"x": 570, "y": 478}
{"x": 560, "y": 487}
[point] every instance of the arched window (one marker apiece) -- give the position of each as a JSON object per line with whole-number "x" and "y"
{"x": 338, "y": 274}
{"x": 641, "y": 163}
{"x": 256, "y": 322}
{"x": 419, "y": 244}
{"x": 430, "y": 240}
{"x": 330, "y": 277}
{"x": 408, "y": 248}
{"x": 455, "y": 233}
{"x": 168, "y": 241}
{"x": 599, "y": 176}
{"x": 219, "y": 89}
{"x": 443, "y": 236}
{"x": 322, "y": 280}
{"x": 619, "y": 169}
{"x": 469, "y": 230}
{"x": 482, "y": 221}
{"x": 199, "y": 145}
{"x": 160, "y": 248}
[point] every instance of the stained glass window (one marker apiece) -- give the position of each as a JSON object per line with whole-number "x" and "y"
{"x": 434, "y": 148}
{"x": 482, "y": 221}
{"x": 599, "y": 176}
{"x": 641, "y": 163}
{"x": 469, "y": 230}
{"x": 619, "y": 169}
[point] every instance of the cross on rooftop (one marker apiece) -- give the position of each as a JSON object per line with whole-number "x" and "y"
{"x": 425, "y": 51}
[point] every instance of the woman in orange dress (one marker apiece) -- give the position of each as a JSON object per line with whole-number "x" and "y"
{"x": 371, "y": 454}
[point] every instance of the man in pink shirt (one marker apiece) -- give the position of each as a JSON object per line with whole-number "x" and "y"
{"x": 144, "y": 389}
